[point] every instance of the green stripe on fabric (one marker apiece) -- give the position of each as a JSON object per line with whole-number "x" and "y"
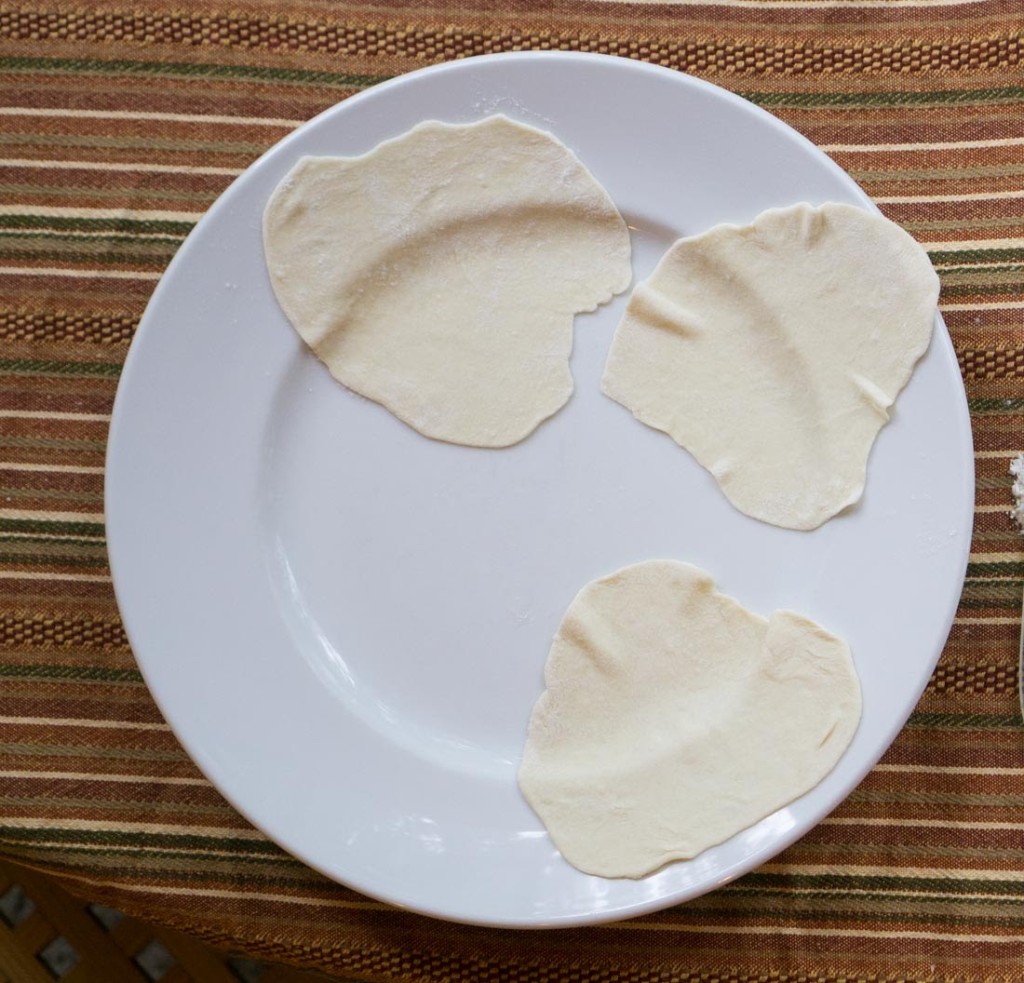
{"x": 1011, "y": 404}
{"x": 98, "y": 674}
{"x": 993, "y": 589}
{"x": 245, "y": 149}
{"x": 144, "y": 239}
{"x": 50, "y": 494}
{"x": 302, "y": 874}
{"x": 168, "y": 227}
{"x": 757, "y": 881}
{"x": 16, "y": 833}
{"x": 878, "y": 915}
{"x": 987, "y": 604}
{"x": 25, "y": 366}
{"x": 976, "y": 255}
{"x": 116, "y": 260}
{"x": 20, "y": 749}
{"x": 53, "y": 550}
{"x": 937, "y": 97}
{"x": 96, "y": 529}
{"x": 1009, "y": 568}
{"x": 1016, "y": 268}
{"x": 119, "y": 805}
{"x": 57, "y": 443}
{"x": 986, "y": 290}
{"x": 46, "y": 541}
{"x": 96, "y": 66}
{"x": 965, "y": 721}
{"x": 54, "y": 560}
{"x": 194, "y": 876}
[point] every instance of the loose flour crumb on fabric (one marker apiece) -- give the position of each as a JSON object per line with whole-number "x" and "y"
{"x": 1017, "y": 470}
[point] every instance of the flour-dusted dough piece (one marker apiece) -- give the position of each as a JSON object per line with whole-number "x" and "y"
{"x": 674, "y": 718}
{"x": 439, "y": 274}
{"x": 772, "y": 353}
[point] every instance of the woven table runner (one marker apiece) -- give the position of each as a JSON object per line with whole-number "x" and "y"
{"x": 120, "y": 124}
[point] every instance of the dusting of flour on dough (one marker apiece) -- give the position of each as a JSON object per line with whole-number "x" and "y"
{"x": 440, "y": 274}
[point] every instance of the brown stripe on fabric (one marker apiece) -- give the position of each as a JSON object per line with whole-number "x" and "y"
{"x": 968, "y": 632}
{"x": 45, "y": 452}
{"x": 915, "y": 213}
{"x": 44, "y": 593}
{"x": 992, "y": 645}
{"x": 329, "y": 36}
{"x": 927, "y": 125}
{"x": 686, "y": 958}
{"x": 983, "y": 846}
{"x": 83, "y": 396}
{"x": 43, "y": 632}
{"x": 998, "y": 435}
{"x": 949, "y": 158}
{"x": 998, "y": 709}
{"x": 662, "y": 16}
{"x": 621, "y": 18}
{"x": 925, "y": 743}
{"x": 985, "y": 319}
{"x": 210, "y": 96}
{"x": 984, "y": 752}
{"x": 77, "y": 709}
{"x": 974, "y": 679}
{"x": 94, "y": 185}
{"x": 233, "y": 154}
{"x": 88, "y": 755}
{"x": 91, "y": 327}
{"x": 998, "y": 401}
{"x": 968, "y": 229}
{"x": 75, "y": 358}
{"x": 991, "y": 363}
{"x": 41, "y": 499}
{"x": 215, "y": 134}
{"x": 32, "y": 288}
{"x": 989, "y": 781}
{"x": 99, "y": 696}
{"x": 99, "y": 801}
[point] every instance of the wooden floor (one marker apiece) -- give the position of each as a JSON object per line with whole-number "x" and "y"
{"x": 47, "y": 935}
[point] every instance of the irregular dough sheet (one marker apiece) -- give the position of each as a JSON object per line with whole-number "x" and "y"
{"x": 440, "y": 273}
{"x": 772, "y": 353}
{"x": 674, "y": 718}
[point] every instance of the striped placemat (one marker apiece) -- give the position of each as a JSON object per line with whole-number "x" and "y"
{"x": 120, "y": 125}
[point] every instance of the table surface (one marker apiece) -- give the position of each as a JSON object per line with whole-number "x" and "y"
{"x": 123, "y": 123}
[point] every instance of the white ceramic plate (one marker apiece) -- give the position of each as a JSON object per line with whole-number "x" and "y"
{"x": 345, "y": 623}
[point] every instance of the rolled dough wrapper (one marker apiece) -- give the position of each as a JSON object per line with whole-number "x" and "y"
{"x": 674, "y": 718}
{"x": 440, "y": 273}
{"x": 773, "y": 352}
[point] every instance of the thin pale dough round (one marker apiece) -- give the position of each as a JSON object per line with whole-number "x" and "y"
{"x": 674, "y": 718}
{"x": 440, "y": 273}
{"x": 773, "y": 352}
